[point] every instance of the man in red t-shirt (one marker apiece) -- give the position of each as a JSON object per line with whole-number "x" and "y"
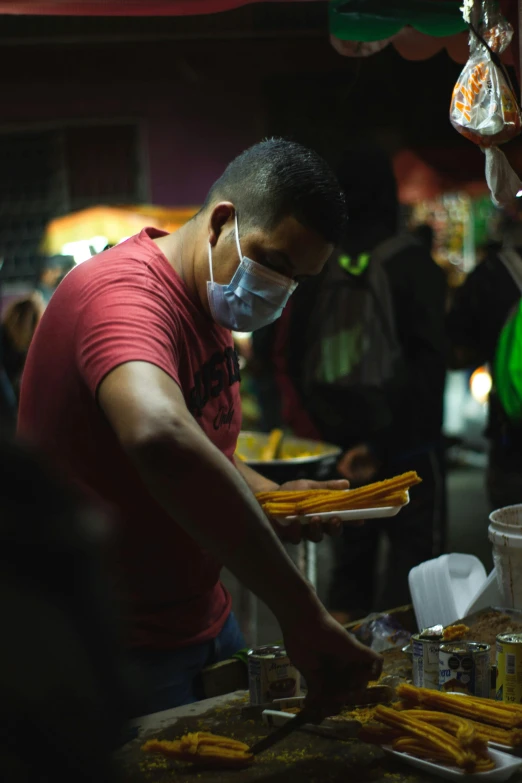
{"x": 132, "y": 386}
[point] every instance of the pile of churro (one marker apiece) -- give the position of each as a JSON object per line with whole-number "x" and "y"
{"x": 381, "y": 494}
{"x": 433, "y": 736}
{"x": 492, "y": 715}
{"x": 445, "y": 728}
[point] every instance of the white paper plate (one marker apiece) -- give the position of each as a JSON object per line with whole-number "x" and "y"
{"x": 347, "y": 516}
{"x": 506, "y": 749}
{"x": 505, "y": 766}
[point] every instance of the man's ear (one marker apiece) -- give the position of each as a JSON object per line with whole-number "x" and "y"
{"x": 222, "y": 215}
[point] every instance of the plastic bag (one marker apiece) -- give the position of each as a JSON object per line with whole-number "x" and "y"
{"x": 503, "y": 182}
{"x": 381, "y": 632}
{"x": 483, "y": 107}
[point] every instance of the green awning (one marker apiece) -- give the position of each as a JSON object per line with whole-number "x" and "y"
{"x": 376, "y": 20}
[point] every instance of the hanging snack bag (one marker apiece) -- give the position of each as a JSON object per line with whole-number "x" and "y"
{"x": 484, "y": 108}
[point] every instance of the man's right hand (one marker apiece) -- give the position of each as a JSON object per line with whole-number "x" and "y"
{"x": 335, "y": 665}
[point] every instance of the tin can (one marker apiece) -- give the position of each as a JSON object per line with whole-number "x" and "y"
{"x": 509, "y": 668}
{"x": 425, "y": 657}
{"x": 271, "y": 675}
{"x": 464, "y": 667}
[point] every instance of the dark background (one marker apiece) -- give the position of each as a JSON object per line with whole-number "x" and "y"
{"x": 123, "y": 110}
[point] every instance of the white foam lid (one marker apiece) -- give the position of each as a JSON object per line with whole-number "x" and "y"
{"x": 442, "y": 589}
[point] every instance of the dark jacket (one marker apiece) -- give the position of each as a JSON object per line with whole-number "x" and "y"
{"x": 405, "y": 415}
{"x": 478, "y": 313}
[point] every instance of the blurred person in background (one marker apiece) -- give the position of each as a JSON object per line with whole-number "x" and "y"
{"x": 66, "y": 687}
{"x": 480, "y": 309}
{"x": 18, "y": 325}
{"x": 52, "y": 272}
{"x": 359, "y": 361}
{"x": 19, "y": 322}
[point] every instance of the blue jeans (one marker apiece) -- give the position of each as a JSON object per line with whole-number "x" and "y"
{"x": 173, "y": 677}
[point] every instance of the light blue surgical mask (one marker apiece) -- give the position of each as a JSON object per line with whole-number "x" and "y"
{"x": 255, "y": 296}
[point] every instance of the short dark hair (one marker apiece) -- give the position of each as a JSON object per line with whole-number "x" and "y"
{"x": 278, "y": 178}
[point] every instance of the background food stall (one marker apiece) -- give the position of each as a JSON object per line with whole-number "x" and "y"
{"x": 87, "y": 232}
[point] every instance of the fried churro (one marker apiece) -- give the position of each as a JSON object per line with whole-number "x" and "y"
{"x": 205, "y": 749}
{"x": 434, "y": 736}
{"x": 512, "y": 738}
{"x": 422, "y": 750}
{"x": 473, "y": 707}
{"x": 390, "y": 492}
{"x": 438, "y": 740}
{"x": 454, "y": 633}
{"x": 460, "y": 728}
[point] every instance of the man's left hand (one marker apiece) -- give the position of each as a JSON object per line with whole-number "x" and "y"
{"x": 315, "y": 530}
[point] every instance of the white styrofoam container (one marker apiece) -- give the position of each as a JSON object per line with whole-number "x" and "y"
{"x": 489, "y": 595}
{"x": 443, "y": 589}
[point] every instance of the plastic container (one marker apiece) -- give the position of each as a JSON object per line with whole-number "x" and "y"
{"x": 489, "y": 595}
{"x": 505, "y": 534}
{"x": 442, "y": 589}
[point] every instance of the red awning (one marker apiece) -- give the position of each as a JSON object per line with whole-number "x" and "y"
{"x": 125, "y": 7}
{"x": 428, "y": 173}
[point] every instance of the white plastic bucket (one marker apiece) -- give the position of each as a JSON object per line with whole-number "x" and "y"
{"x": 505, "y": 533}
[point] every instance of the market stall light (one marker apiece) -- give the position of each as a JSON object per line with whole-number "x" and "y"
{"x": 519, "y": 194}
{"x": 243, "y": 343}
{"x": 84, "y": 248}
{"x": 480, "y": 385}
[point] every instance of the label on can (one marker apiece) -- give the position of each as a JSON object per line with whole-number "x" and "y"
{"x": 509, "y": 668}
{"x": 271, "y": 675}
{"x": 425, "y": 653}
{"x": 464, "y": 667}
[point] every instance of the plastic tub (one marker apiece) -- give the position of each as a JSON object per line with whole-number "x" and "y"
{"x": 505, "y": 534}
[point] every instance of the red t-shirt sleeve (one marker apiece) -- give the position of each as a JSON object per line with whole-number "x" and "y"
{"x": 128, "y": 320}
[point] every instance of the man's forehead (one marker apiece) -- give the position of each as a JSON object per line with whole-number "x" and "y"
{"x": 305, "y": 248}
{"x": 290, "y": 233}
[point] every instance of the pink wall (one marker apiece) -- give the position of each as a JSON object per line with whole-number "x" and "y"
{"x": 190, "y": 130}
{"x": 190, "y": 143}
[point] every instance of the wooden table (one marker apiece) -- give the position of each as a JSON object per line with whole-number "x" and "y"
{"x": 301, "y": 758}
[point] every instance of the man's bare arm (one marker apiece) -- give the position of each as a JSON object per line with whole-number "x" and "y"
{"x": 205, "y": 494}
{"x": 255, "y": 480}
{"x": 198, "y": 486}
